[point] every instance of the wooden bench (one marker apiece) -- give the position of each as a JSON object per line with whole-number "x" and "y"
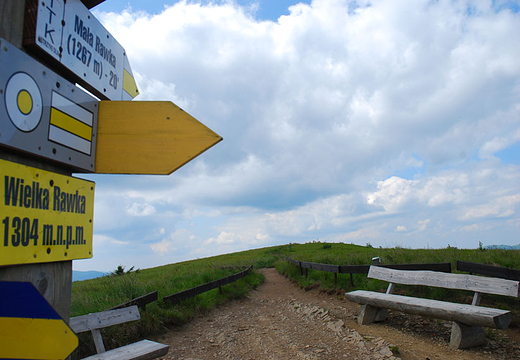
{"x": 468, "y": 320}
{"x": 141, "y": 350}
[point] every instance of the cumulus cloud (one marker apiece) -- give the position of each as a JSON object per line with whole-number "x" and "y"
{"x": 348, "y": 121}
{"x": 137, "y": 209}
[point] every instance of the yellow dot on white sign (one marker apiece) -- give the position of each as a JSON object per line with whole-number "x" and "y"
{"x": 25, "y": 102}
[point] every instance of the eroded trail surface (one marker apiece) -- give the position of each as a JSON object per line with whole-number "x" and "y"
{"x": 281, "y": 321}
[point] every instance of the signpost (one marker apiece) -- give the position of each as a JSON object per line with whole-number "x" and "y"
{"x": 29, "y": 327}
{"x": 70, "y": 35}
{"x": 148, "y": 137}
{"x": 49, "y": 128}
{"x": 43, "y": 114}
{"x": 44, "y": 217}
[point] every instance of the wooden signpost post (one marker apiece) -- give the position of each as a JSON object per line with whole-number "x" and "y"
{"x": 50, "y": 128}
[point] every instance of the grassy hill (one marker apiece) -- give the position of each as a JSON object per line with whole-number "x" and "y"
{"x": 106, "y": 292}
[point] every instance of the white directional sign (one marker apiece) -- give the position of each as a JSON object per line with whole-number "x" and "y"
{"x": 71, "y": 35}
{"x": 43, "y": 114}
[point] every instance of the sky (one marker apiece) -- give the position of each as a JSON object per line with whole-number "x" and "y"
{"x": 391, "y": 123}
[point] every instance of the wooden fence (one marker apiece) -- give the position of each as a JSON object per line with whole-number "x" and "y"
{"x": 488, "y": 270}
{"x": 142, "y": 301}
{"x": 186, "y": 294}
{"x": 363, "y": 269}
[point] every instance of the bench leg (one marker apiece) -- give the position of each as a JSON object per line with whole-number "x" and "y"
{"x": 367, "y": 315}
{"x": 98, "y": 341}
{"x": 464, "y": 336}
{"x": 381, "y": 315}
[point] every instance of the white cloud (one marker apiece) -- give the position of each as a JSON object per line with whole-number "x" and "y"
{"x": 173, "y": 242}
{"x": 422, "y": 224}
{"x": 496, "y": 144}
{"x": 100, "y": 239}
{"x": 341, "y": 121}
{"x": 393, "y": 193}
{"x": 224, "y": 238}
{"x": 504, "y": 206}
{"x": 137, "y": 209}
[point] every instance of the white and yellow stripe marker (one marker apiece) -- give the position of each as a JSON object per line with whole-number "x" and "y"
{"x": 70, "y": 124}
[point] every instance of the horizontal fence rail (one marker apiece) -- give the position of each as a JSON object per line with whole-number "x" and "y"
{"x": 363, "y": 269}
{"x": 186, "y": 294}
{"x": 489, "y": 270}
{"x": 140, "y": 301}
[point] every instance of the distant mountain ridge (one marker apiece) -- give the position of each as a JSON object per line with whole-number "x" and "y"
{"x": 503, "y": 247}
{"x": 86, "y": 275}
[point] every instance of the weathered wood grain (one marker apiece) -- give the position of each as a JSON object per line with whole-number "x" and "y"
{"x": 104, "y": 319}
{"x": 464, "y": 337}
{"x": 449, "y": 281}
{"x": 142, "y": 350}
{"x": 465, "y": 314}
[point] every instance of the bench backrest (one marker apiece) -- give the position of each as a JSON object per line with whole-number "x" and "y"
{"x": 478, "y": 284}
{"x": 104, "y": 319}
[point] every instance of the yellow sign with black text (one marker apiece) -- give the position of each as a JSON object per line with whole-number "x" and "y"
{"x": 44, "y": 216}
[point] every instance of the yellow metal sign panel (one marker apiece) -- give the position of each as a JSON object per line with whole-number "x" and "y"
{"x": 148, "y": 137}
{"x": 44, "y": 217}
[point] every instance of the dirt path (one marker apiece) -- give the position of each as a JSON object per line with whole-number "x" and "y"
{"x": 281, "y": 321}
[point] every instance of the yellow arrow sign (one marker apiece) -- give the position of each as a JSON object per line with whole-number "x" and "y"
{"x": 148, "y": 137}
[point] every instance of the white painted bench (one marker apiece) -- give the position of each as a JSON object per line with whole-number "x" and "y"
{"x": 468, "y": 320}
{"x": 141, "y": 350}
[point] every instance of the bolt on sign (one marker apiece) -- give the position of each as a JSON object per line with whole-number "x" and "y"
{"x": 43, "y": 114}
{"x": 44, "y": 216}
{"x": 70, "y": 35}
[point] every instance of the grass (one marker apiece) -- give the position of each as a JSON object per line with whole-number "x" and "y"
{"x": 104, "y": 293}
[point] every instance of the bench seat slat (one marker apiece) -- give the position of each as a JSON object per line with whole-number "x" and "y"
{"x": 142, "y": 350}
{"x": 475, "y": 283}
{"x": 465, "y": 314}
{"x": 104, "y": 319}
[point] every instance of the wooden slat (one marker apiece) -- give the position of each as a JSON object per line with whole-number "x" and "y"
{"x": 465, "y": 314}
{"x": 442, "y": 267}
{"x": 450, "y": 281}
{"x": 324, "y": 267}
{"x": 140, "y": 301}
{"x": 353, "y": 269}
{"x": 103, "y": 319}
{"x": 98, "y": 341}
{"x": 363, "y": 269}
{"x": 142, "y": 350}
{"x": 292, "y": 261}
{"x": 489, "y": 270}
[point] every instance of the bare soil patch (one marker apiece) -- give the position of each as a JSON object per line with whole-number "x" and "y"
{"x": 281, "y": 321}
